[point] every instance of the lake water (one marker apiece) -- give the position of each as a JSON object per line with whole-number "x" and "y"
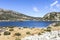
{"x": 27, "y": 23}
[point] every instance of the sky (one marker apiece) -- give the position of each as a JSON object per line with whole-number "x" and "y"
{"x": 35, "y": 8}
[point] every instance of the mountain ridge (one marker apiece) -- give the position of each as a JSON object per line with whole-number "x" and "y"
{"x": 52, "y": 16}
{"x": 12, "y": 15}
{"x": 9, "y": 15}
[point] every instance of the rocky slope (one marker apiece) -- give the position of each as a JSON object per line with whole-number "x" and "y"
{"x": 52, "y": 16}
{"x": 53, "y": 35}
{"x": 12, "y": 15}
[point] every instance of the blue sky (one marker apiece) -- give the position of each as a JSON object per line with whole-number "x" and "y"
{"x": 36, "y": 8}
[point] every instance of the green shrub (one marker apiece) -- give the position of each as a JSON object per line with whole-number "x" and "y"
{"x": 39, "y": 33}
{"x": 28, "y": 33}
{"x": 11, "y": 26}
{"x": 19, "y": 28}
{"x": 25, "y": 27}
{"x": 17, "y": 34}
{"x": 17, "y": 39}
{"x": 7, "y": 33}
{"x": 0, "y": 34}
{"x": 11, "y": 29}
{"x": 48, "y": 29}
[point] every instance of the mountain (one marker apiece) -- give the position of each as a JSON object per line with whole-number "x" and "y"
{"x": 52, "y": 16}
{"x": 12, "y": 15}
{"x": 9, "y": 15}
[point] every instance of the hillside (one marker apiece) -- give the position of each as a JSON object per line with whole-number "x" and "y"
{"x": 12, "y": 15}
{"x": 9, "y": 15}
{"x": 52, "y": 16}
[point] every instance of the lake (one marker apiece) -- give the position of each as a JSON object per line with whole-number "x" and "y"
{"x": 27, "y": 23}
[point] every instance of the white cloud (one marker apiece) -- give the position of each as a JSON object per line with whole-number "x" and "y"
{"x": 54, "y": 3}
{"x": 58, "y": 5}
{"x": 35, "y": 9}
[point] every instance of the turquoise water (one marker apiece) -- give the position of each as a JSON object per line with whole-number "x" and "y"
{"x": 27, "y": 23}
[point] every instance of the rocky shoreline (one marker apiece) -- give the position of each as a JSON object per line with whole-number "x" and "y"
{"x": 23, "y": 33}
